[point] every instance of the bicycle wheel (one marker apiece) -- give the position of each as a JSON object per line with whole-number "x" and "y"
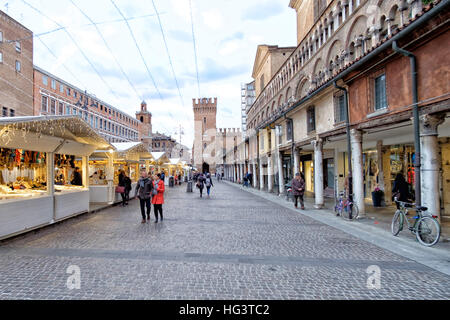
{"x": 428, "y": 231}
{"x": 397, "y": 223}
{"x": 350, "y": 212}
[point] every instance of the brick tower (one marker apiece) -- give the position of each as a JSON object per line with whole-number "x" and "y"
{"x": 205, "y": 112}
{"x": 145, "y": 124}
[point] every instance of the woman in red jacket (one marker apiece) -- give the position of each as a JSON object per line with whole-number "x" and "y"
{"x": 158, "y": 198}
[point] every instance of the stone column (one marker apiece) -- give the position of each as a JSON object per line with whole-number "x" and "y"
{"x": 350, "y": 7}
{"x": 280, "y": 173}
{"x": 234, "y": 173}
{"x": 358, "y": 176}
{"x": 85, "y": 171}
{"x": 270, "y": 173}
{"x": 110, "y": 179}
{"x": 318, "y": 173}
{"x": 431, "y": 161}
{"x": 380, "y": 165}
{"x": 386, "y": 158}
{"x": 296, "y": 161}
{"x": 416, "y": 7}
{"x": 255, "y": 176}
{"x": 241, "y": 166}
{"x": 261, "y": 176}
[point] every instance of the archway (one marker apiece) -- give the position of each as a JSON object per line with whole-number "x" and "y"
{"x": 205, "y": 168}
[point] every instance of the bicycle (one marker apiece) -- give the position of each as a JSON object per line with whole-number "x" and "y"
{"x": 426, "y": 228}
{"x": 346, "y": 208}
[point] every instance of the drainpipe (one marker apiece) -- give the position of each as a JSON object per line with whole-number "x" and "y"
{"x": 415, "y": 96}
{"x": 349, "y": 145}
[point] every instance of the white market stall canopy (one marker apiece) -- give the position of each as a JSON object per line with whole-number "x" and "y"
{"x": 160, "y": 157}
{"x": 132, "y": 151}
{"x": 59, "y": 134}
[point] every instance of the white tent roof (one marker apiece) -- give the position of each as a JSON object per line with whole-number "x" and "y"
{"x": 158, "y": 155}
{"x": 62, "y": 134}
{"x": 175, "y": 161}
{"x": 126, "y": 146}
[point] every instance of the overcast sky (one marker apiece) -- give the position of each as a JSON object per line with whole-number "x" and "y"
{"x": 227, "y": 33}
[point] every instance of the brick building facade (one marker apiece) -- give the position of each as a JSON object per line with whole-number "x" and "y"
{"x": 16, "y": 68}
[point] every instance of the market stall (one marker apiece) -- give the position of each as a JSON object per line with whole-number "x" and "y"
{"x": 41, "y": 180}
{"x": 105, "y": 167}
{"x": 159, "y": 164}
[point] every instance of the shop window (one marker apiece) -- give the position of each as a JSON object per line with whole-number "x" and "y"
{"x": 340, "y": 108}
{"x": 44, "y": 104}
{"x": 311, "y": 119}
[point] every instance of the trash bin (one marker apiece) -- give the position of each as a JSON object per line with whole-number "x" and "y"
{"x": 189, "y": 187}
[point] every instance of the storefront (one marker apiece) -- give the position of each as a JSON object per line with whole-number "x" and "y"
{"x": 41, "y": 181}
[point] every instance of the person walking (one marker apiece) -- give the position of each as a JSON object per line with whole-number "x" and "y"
{"x": 127, "y": 182}
{"x": 400, "y": 189}
{"x": 144, "y": 193}
{"x": 246, "y": 180}
{"x": 200, "y": 184}
{"x": 298, "y": 190}
{"x": 208, "y": 184}
{"x": 158, "y": 197}
{"x": 121, "y": 186}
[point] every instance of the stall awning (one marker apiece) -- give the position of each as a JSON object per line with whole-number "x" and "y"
{"x": 160, "y": 157}
{"x": 60, "y": 134}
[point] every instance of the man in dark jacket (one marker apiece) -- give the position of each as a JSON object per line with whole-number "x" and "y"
{"x": 298, "y": 190}
{"x": 144, "y": 193}
{"x": 77, "y": 180}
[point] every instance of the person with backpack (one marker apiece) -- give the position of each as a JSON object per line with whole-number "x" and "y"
{"x": 158, "y": 197}
{"x": 144, "y": 193}
{"x": 201, "y": 183}
{"x": 209, "y": 184}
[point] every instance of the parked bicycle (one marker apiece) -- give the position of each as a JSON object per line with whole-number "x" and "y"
{"x": 345, "y": 208}
{"x": 425, "y": 226}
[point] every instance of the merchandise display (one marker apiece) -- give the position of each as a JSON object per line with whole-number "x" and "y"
{"x": 22, "y": 174}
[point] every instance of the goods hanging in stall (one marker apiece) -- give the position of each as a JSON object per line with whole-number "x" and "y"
{"x": 41, "y": 182}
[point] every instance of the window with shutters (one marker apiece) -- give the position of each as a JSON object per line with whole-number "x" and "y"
{"x": 380, "y": 92}
{"x": 340, "y": 110}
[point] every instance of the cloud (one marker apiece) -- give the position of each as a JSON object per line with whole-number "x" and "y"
{"x": 262, "y": 11}
{"x": 213, "y": 19}
{"x": 235, "y": 36}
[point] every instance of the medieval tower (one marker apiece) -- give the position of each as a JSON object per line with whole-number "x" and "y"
{"x": 205, "y": 112}
{"x": 145, "y": 124}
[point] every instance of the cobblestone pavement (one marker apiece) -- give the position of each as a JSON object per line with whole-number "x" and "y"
{"x": 234, "y": 245}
